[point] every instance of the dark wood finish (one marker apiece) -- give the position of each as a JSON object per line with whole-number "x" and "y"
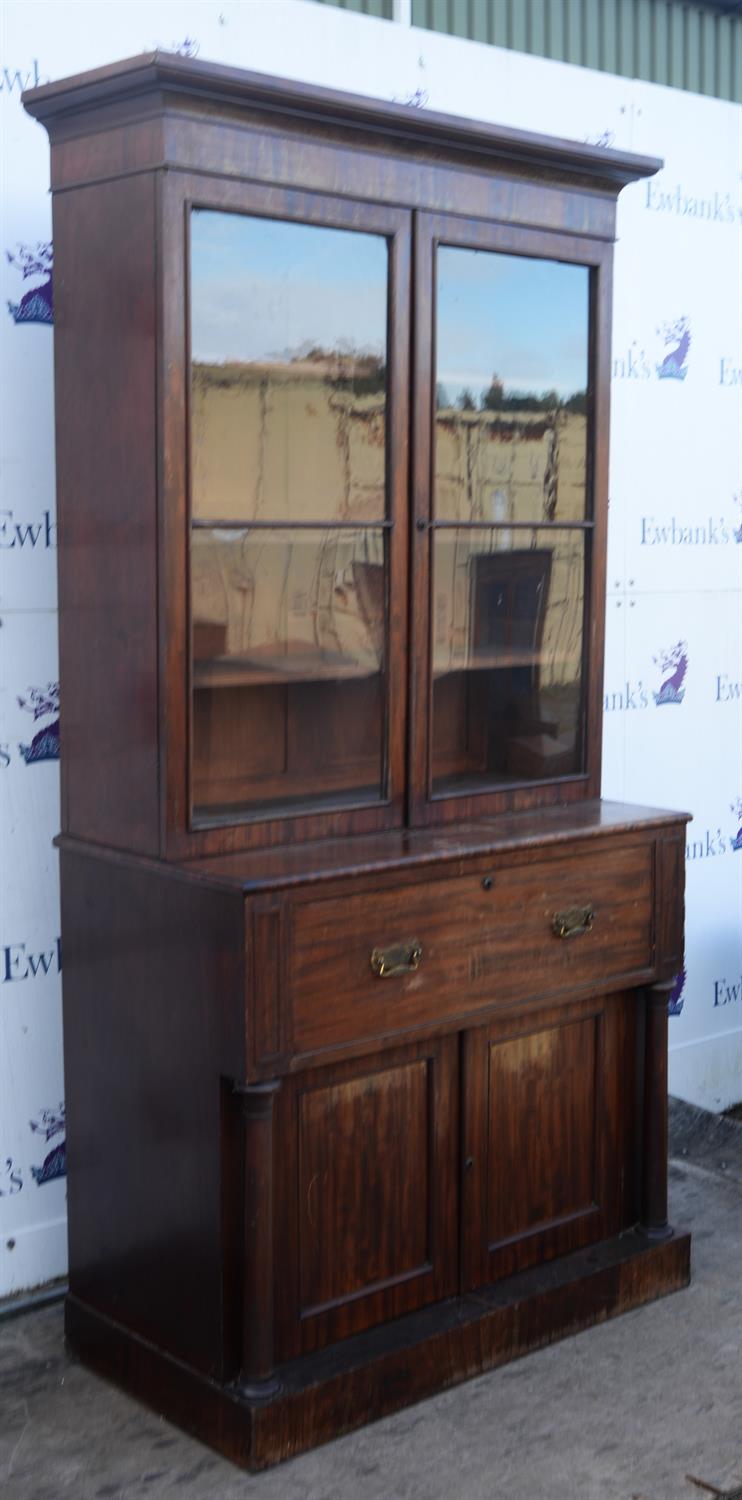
{"x": 178, "y": 194}
{"x": 411, "y": 853}
{"x": 141, "y": 85}
{"x": 368, "y": 1193}
{"x": 266, "y": 959}
{"x": 473, "y": 943}
{"x": 152, "y": 965}
{"x": 391, "y": 1367}
{"x": 547, "y": 1165}
{"x": 432, "y": 230}
{"x": 258, "y": 1348}
{"x": 654, "y": 1185}
{"x": 670, "y": 905}
{"x": 107, "y": 511}
{"x": 303, "y": 1191}
{"x": 135, "y": 77}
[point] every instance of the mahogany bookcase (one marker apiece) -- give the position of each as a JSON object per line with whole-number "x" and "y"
{"x": 365, "y": 988}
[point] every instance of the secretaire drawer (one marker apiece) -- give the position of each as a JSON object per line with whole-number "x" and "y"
{"x": 368, "y": 964}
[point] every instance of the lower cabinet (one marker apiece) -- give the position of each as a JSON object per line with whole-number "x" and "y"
{"x": 427, "y": 1170}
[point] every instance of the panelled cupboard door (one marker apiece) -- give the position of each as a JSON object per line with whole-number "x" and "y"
{"x": 367, "y": 1205}
{"x": 548, "y": 1108}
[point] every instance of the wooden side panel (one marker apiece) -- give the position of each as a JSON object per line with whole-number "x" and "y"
{"x": 104, "y": 342}
{"x": 367, "y": 1158}
{"x": 153, "y": 1021}
{"x": 670, "y": 904}
{"x": 265, "y": 1019}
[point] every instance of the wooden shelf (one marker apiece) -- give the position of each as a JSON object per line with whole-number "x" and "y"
{"x": 488, "y": 661}
{"x": 260, "y": 669}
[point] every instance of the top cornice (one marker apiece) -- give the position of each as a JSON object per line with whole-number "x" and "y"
{"x": 162, "y": 74}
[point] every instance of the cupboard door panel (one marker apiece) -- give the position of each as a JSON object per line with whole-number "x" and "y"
{"x": 546, "y": 1136}
{"x": 542, "y": 1129}
{"x": 367, "y": 1161}
{"x": 388, "y": 1111}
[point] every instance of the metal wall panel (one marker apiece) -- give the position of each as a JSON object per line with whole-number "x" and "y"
{"x": 684, "y": 46}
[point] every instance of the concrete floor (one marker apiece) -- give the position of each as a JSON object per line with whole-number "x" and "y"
{"x": 623, "y": 1412}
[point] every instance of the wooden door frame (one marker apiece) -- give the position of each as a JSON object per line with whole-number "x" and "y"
{"x": 432, "y": 230}
{"x": 178, "y": 194}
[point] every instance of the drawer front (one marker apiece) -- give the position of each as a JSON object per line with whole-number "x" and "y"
{"x": 483, "y": 939}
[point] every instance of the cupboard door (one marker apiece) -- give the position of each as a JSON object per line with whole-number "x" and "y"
{"x": 366, "y": 1162}
{"x": 547, "y": 1116}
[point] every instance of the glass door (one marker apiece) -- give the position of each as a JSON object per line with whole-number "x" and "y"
{"x": 297, "y": 539}
{"x": 505, "y": 520}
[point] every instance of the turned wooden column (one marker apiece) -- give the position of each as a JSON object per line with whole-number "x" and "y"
{"x": 654, "y": 1156}
{"x": 257, "y": 1379}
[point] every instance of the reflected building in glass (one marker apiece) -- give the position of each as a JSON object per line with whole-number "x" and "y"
{"x": 288, "y": 497}
{"x": 511, "y": 512}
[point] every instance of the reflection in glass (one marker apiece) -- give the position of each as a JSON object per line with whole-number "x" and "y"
{"x": 289, "y": 650}
{"x": 508, "y": 611}
{"x": 288, "y": 389}
{"x": 511, "y": 384}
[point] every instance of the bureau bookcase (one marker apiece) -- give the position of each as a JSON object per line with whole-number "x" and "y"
{"x": 365, "y": 988}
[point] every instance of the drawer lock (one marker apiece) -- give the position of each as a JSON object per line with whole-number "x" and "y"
{"x": 573, "y": 922}
{"x": 402, "y": 958}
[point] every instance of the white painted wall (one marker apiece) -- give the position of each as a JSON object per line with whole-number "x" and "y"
{"x": 675, "y": 567}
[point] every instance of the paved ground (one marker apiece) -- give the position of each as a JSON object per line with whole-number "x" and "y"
{"x": 623, "y": 1412}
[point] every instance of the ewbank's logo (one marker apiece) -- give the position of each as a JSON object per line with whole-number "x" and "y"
{"x": 36, "y": 305}
{"x": 50, "y": 1124}
{"x": 736, "y": 808}
{"x": 713, "y": 531}
{"x": 43, "y": 703}
{"x": 677, "y": 995}
{"x": 676, "y": 343}
{"x": 667, "y": 360}
{"x": 716, "y": 208}
{"x": 673, "y": 665}
{"x": 13, "y": 81}
{"x": 727, "y": 991}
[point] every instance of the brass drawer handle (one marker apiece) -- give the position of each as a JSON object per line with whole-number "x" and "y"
{"x": 403, "y": 958}
{"x": 574, "y": 921}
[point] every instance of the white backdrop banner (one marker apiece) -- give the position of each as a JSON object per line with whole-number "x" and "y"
{"x": 673, "y": 686}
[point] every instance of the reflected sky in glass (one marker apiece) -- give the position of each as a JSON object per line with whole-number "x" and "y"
{"x": 267, "y": 290}
{"x": 522, "y": 320}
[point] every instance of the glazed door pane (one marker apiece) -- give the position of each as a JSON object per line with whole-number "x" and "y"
{"x": 508, "y": 635}
{"x": 289, "y": 564}
{"x": 511, "y": 388}
{"x": 288, "y": 371}
{"x": 508, "y": 547}
{"x": 289, "y": 658}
